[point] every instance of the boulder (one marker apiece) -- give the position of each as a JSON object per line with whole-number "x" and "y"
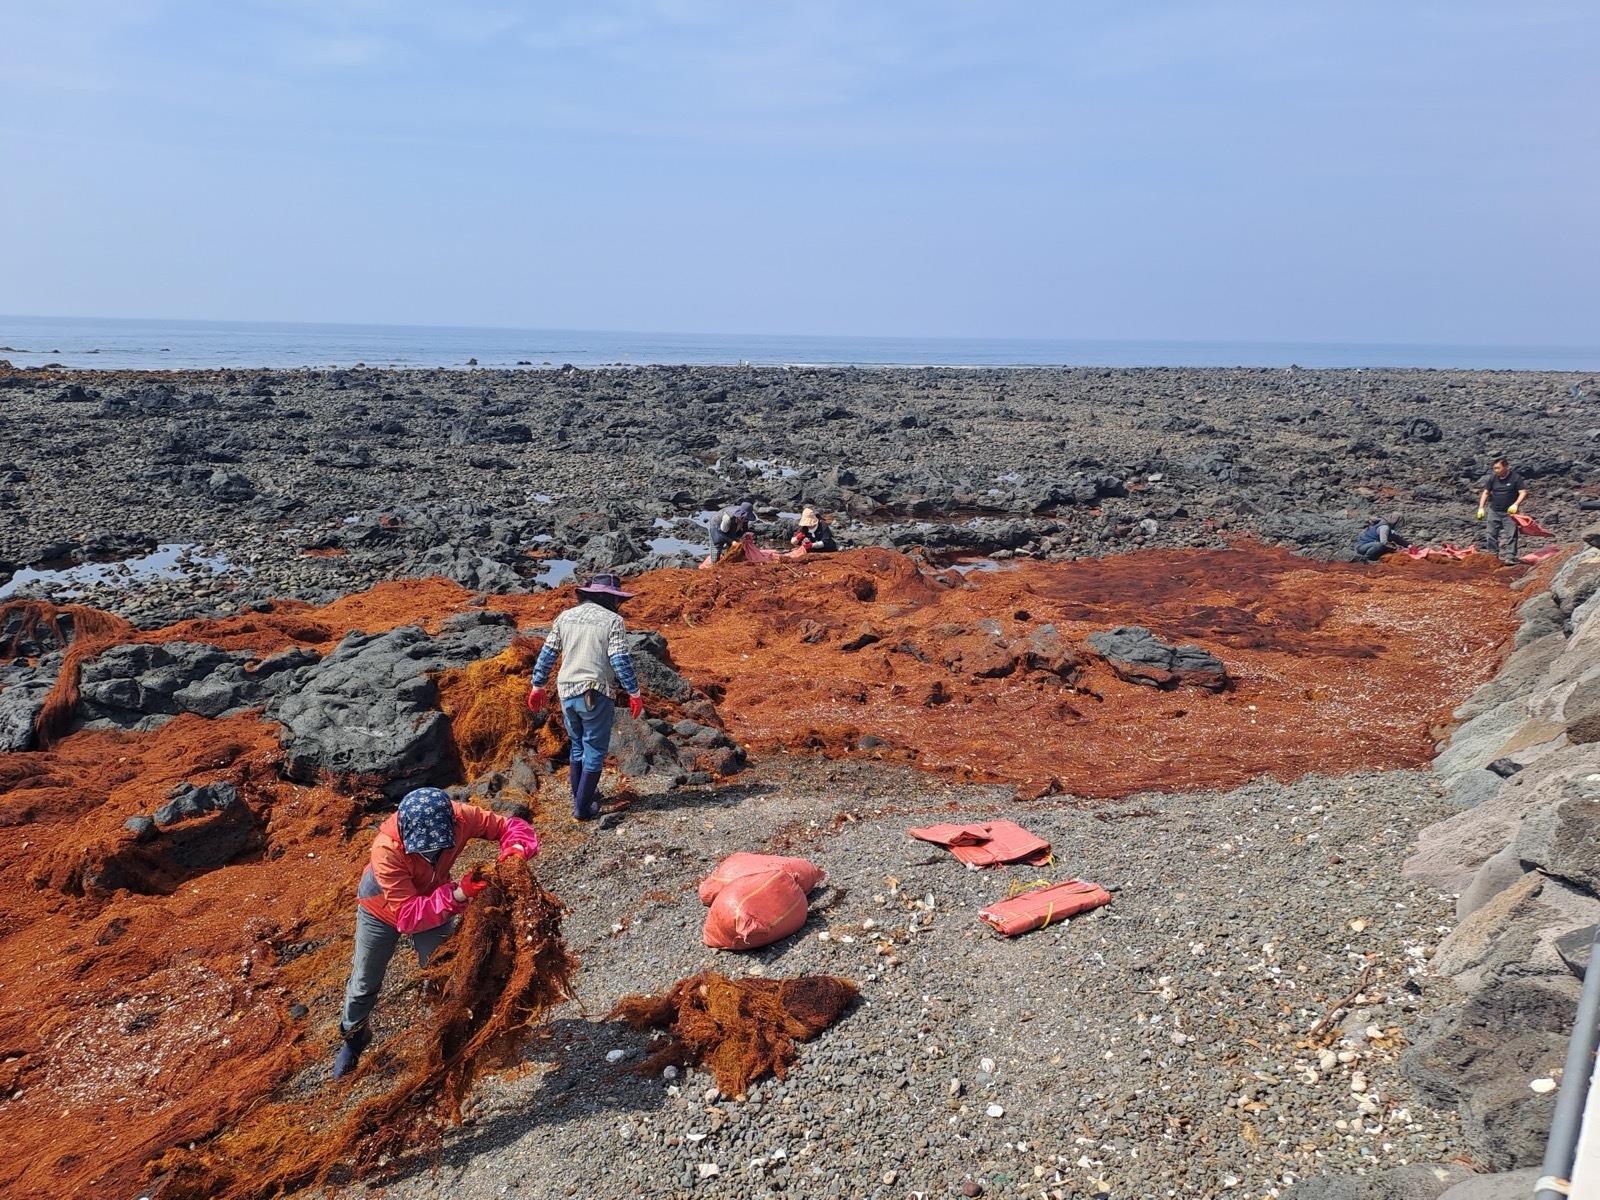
{"x": 1497, "y": 873}
{"x": 1450, "y": 852}
{"x": 1580, "y": 708}
{"x": 1481, "y": 739}
{"x": 20, "y": 703}
{"x": 1562, "y": 838}
{"x": 1473, "y": 787}
{"x": 608, "y": 551}
{"x": 471, "y": 570}
{"x": 1136, "y": 656}
{"x": 370, "y": 708}
{"x": 188, "y": 802}
{"x": 142, "y": 686}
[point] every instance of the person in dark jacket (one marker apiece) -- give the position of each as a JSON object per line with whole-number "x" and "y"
{"x": 1499, "y": 494}
{"x": 730, "y": 526}
{"x": 1379, "y": 538}
{"x": 813, "y": 533}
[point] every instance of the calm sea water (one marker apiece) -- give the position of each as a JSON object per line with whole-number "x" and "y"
{"x": 172, "y": 345}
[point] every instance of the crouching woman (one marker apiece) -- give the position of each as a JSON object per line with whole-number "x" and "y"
{"x": 407, "y": 889}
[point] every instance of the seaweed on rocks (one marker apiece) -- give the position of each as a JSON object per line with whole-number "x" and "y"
{"x": 741, "y": 1029}
{"x": 496, "y": 978}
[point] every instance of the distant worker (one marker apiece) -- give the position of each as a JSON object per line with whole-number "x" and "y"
{"x": 1501, "y": 491}
{"x": 813, "y": 532}
{"x": 589, "y": 639}
{"x": 730, "y": 526}
{"x": 406, "y": 889}
{"x": 1379, "y": 538}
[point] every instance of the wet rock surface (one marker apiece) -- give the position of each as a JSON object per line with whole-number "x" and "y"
{"x": 312, "y": 483}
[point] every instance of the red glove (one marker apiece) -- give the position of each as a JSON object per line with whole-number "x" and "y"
{"x": 470, "y": 885}
{"x": 636, "y": 707}
{"x": 535, "y": 699}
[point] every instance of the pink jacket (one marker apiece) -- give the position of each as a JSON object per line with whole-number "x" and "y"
{"x": 414, "y": 894}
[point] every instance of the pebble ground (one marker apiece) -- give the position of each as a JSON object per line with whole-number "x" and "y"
{"x": 1157, "y": 1047}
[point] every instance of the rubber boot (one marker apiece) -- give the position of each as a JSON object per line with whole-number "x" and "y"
{"x": 575, "y": 782}
{"x": 352, "y": 1042}
{"x": 591, "y": 794}
{"x": 589, "y": 802}
{"x": 580, "y": 809}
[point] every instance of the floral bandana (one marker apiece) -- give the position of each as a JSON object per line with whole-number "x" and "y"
{"x": 427, "y": 822}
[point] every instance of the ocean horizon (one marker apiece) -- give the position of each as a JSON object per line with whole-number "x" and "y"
{"x": 152, "y": 344}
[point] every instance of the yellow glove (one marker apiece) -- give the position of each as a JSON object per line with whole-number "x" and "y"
{"x": 1512, "y": 509}
{"x": 1480, "y": 514}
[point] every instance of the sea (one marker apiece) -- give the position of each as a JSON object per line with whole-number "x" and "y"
{"x": 134, "y": 344}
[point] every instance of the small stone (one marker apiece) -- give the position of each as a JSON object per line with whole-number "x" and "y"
{"x": 707, "y": 1170}
{"x": 994, "y": 1110}
{"x": 613, "y": 1056}
{"x": 1542, "y": 1086}
{"x": 972, "y": 1188}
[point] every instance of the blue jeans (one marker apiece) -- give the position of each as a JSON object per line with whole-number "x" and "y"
{"x": 588, "y": 720}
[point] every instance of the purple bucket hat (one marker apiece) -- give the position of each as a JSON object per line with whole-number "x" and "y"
{"x": 608, "y": 585}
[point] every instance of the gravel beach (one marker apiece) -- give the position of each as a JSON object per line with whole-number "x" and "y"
{"x": 1155, "y": 1047}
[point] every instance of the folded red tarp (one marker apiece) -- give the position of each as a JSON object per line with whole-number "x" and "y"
{"x": 1448, "y": 550}
{"x": 1529, "y": 526}
{"x": 1538, "y": 556}
{"x": 987, "y": 845}
{"x": 1044, "y": 906}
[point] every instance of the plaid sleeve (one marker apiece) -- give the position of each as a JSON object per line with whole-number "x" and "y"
{"x": 621, "y": 659}
{"x": 546, "y": 661}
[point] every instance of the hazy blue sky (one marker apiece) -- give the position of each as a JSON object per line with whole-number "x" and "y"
{"x": 1385, "y": 171}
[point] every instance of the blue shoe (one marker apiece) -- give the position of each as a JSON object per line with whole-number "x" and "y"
{"x": 350, "y": 1047}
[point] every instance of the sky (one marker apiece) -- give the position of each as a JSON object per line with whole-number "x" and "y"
{"x": 1394, "y": 171}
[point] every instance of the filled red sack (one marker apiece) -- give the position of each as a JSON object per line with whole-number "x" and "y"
{"x": 806, "y": 874}
{"x": 755, "y": 910}
{"x": 1044, "y": 906}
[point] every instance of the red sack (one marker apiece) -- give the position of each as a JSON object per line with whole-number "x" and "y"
{"x": 1044, "y": 906}
{"x": 755, "y": 910}
{"x": 736, "y": 866}
{"x": 989, "y": 844}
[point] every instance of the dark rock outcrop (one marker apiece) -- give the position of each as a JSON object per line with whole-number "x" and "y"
{"x": 1137, "y": 656}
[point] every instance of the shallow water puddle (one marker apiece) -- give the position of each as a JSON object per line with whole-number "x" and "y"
{"x": 556, "y": 572}
{"x": 164, "y": 562}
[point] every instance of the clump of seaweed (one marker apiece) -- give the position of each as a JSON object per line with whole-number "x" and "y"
{"x": 504, "y": 969}
{"x": 741, "y": 1029}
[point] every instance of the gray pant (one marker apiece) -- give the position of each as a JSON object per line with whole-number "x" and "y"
{"x": 376, "y": 941}
{"x": 1494, "y": 530}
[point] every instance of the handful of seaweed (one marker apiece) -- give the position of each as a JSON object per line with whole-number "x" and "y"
{"x": 497, "y": 976}
{"x": 742, "y": 1029}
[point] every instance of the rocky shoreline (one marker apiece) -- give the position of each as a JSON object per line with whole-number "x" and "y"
{"x": 1331, "y": 985}
{"x": 1521, "y": 856}
{"x": 200, "y": 493}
